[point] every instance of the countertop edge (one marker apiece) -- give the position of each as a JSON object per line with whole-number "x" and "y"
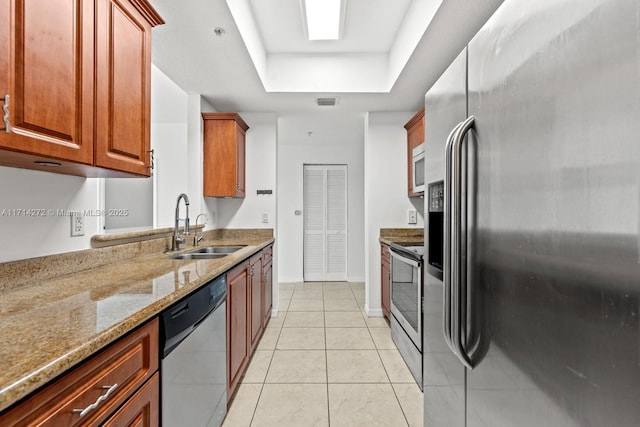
{"x": 41, "y": 377}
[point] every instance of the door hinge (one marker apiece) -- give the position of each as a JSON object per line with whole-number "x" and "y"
{"x": 5, "y": 117}
{"x": 152, "y": 161}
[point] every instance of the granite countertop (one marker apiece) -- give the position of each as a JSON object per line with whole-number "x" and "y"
{"x": 402, "y": 236}
{"x": 52, "y": 325}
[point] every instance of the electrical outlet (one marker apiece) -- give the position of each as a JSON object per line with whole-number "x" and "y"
{"x": 265, "y": 217}
{"x": 77, "y": 224}
{"x": 412, "y": 216}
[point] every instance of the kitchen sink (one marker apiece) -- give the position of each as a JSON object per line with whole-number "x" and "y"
{"x": 217, "y": 250}
{"x": 196, "y": 256}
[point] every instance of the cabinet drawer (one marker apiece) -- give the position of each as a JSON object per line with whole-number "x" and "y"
{"x": 98, "y": 386}
{"x": 142, "y": 410}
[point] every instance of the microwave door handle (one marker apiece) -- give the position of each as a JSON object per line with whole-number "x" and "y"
{"x": 458, "y": 288}
{"x": 446, "y": 312}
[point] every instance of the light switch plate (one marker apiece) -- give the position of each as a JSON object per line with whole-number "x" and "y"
{"x": 265, "y": 217}
{"x": 77, "y": 224}
{"x": 412, "y": 217}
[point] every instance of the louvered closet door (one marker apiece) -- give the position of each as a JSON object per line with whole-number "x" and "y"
{"x": 325, "y": 222}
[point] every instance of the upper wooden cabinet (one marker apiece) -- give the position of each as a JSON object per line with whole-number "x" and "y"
{"x": 224, "y": 155}
{"x": 123, "y": 85}
{"x": 75, "y": 90}
{"x": 415, "y": 137}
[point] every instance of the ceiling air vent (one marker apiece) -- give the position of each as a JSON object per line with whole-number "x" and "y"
{"x": 326, "y": 102}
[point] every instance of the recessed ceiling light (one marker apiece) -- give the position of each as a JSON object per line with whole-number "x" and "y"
{"x": 219, "y": 31}
{"x": 323, "y": 18}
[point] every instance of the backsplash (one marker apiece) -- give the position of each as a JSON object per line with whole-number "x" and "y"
{"x": 19, "y": 273}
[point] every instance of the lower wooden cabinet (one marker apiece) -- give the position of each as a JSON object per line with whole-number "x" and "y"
{"x": 255, "y": 302}
{"x": 385, "y": 279}
{"x": 249, "y": 294}
{"x": 267, "y": 290}
{"x": 91, "y": 393}
{"x": 238, "y": 292}
{"x": 142, "y": 410}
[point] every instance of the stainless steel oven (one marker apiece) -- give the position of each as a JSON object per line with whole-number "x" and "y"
{"x": 406, "y": 305}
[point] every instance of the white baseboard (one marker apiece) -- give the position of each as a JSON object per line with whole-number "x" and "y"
{"x": 290, "y": 280}
{"x": 356, "y": 279}
{"x": 274, "y": 312}
{"x": 373, "y": 312}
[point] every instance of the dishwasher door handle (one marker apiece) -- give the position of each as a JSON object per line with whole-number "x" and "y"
{"x": 180, "y": 311}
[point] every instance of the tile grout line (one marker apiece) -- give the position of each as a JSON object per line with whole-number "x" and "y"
{"x": 264, "y": 381}
{"x": 326, "y": 357}
{"x": 389, "y": 378}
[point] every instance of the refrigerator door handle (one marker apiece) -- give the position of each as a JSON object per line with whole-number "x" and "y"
{"x": 446, "y": 323}
{"x": 459, "y": 327}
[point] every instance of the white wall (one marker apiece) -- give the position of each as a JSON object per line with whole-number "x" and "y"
{"x": 30, "y": 236}
{"x": 169, "y": 140}
{"x": 334, "y": 140}
{"x": 385, "y": 193}
{"x": 260, "y": 168}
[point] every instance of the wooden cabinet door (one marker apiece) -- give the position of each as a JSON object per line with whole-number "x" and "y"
{"x": 47, "y": 73}
{"x": 256, "y": 299}
{"x": 224, "y": 155}
{"x": 123, "y": 83}
{"x": 237, "y": 321}
{"x": 240, "y": 161}
{"x": 415, "y": 137}
{"x": 142, "y": 410}
{"x": 267, "y": 293}
{"x": 385, "y": 280}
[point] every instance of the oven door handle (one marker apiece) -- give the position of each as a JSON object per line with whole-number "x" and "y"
{"x": 447, "y": 267}
{"x": 404, "y": 259}
{"x": 458, "y": 289}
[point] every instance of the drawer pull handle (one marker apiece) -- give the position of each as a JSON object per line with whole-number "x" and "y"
{"x": 110, "y": 389}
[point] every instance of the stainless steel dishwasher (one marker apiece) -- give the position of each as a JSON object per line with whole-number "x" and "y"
{"x": 194, "y": 358}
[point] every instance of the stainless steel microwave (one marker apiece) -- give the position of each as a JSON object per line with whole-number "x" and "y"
{"x": 417, "y": 165}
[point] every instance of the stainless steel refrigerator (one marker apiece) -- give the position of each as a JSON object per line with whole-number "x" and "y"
{"x": 532, "y": 213}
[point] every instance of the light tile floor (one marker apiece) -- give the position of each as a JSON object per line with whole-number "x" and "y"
{"x": 323, "y": 362}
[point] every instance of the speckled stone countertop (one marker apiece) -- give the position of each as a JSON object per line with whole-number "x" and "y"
{"x": 52, "y": 324}
{"x": 402, "y": 236}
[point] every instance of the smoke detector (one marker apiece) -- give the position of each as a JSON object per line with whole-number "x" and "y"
{"x": 326, "y": 102}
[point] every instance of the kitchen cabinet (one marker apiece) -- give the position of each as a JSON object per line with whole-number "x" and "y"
{"x": 142, "y": 410}
{"x": 238, "y": 341}
{"x": 385, "y": 279}
{"x": 123, "y": 85}
{"x": 255, "y": 301}
{"x": 224, "y": 155}
{"x": 267, "y": 288}
{"x": 415, "y": 137}
{"x": 249, "y": 293}
{"x": 114, "y": 378}
{"x": 76, "y": 89}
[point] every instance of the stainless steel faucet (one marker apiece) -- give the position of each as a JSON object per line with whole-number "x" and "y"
{"x": 177, "y": 237}
{"x": 197, "y": 239}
